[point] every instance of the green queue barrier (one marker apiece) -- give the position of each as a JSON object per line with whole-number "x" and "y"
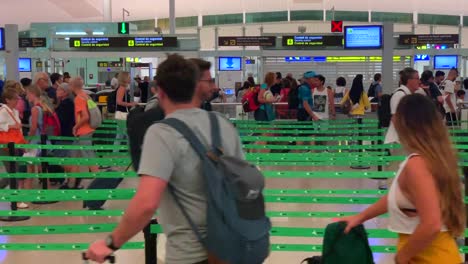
{"x": 140, "y": 245}
{"x": 157, "y": 229}
{"x": 117, "y": 213}
{"x": 127, "y": 194}
{"x": 267, "y": 173}
{"x": 256, "y": 159}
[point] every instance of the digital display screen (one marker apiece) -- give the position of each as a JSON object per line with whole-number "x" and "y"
{"x": 445, "y": 61}
{"x": 363, "y": 37}
{"x": 312, "y": 41}
{"x": 24, "y": 64}
{"x": 422, "y": 57}
{"x": 229, "y": 91}
{"x": 2, "y": 38}
{"x": 124, "y": 42}
{"x": 230, "y": 63}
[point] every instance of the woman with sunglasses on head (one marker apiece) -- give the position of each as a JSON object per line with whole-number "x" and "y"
{"x": 425, "y": 203}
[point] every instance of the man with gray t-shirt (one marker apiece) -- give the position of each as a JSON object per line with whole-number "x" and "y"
{"x": 168, "y": 157}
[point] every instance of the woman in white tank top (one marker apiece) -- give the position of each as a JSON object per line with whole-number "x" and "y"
{"x": 425, "y": 203}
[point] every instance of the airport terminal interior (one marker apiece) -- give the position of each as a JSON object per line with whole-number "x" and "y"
{"x": 307, "y": 84}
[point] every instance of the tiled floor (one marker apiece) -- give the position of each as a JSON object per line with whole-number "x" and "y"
{"x": 138, "y": 255}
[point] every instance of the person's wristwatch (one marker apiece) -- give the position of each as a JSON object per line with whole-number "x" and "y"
{"x": 110, "y": 243}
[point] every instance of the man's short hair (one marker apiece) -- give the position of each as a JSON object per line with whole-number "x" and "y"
{"x": 25, "y": 82}
{"x": 460, "y": 93}
{"x": 40, "y": 75}
{"x": 377, "y": 77}
{"x": 202, "y": 65}
{"x": 341, "y": 82}
{"x": 178, "y": 77}
{"x": 439, "y": 73}
{"x": 321, "y": 78}
{"x": 407, "y": 74}
{"x": 54, "y": 77}
{"x": 76, "y": 82}
{"x": 279, "y": 76}
{"x": 426, "y": 76}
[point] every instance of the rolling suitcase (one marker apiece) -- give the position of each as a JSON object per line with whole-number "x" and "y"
{"x": 97, "y": 184}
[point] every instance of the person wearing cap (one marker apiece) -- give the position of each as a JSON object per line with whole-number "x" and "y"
{"x": 304, "y": 112}
{"x": 179, "y": 166}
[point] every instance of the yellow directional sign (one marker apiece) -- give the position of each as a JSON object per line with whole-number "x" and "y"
{"x": 77, "y": 43}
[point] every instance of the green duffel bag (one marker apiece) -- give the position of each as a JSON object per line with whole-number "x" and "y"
{"x": 352, "y": 248}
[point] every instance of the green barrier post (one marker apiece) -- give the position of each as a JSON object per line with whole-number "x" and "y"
{"x": 379, "y": 143}
{"x": 13, "y": 186}
{"x": 44, "y": 166}
{"x": 151, "y": 240}
{"x": 465, "y": 174}
{"x": 360, "y": 143}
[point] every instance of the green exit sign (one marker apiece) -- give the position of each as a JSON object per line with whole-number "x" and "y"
{"x": 124, "y": 28}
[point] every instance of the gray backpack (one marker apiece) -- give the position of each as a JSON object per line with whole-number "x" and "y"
{"x": 95, "y": 115}
{"x": 237, "y": 226}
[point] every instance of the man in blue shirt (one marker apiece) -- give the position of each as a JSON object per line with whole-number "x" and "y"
{"x": 304, "y": 112}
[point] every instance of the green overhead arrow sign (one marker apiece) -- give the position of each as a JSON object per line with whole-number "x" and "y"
{"x": 123, "y": 28}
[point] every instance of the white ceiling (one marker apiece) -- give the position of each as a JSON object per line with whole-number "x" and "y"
{"x": 23, "y": 12}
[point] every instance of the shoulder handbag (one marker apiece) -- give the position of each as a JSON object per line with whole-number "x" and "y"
{"x": 346, "y": 107}
{"x": 12, "y": 135}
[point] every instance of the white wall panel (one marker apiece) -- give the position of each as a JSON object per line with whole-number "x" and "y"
{"x": 464, "y": 38}
{"x": 230, "y": 31}
{"x": 445, "y": 30}
{"x": 423, "y": 29}
{"x": 402, "y": 28}
{"x": 207, "y": 38}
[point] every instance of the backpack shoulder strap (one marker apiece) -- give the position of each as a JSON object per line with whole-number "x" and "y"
{"x": 188, "y": 134}
{"x": 400, "y": 90}
{"x": 215, "y": 133}
{"x": 196, "y": 144}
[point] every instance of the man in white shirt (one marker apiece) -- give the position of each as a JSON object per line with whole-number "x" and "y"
{"x": 449, "y": 90}
{"x": 409, "y": 85}
{"x": 115, "y": 82}
{"x": 410, "y": 82}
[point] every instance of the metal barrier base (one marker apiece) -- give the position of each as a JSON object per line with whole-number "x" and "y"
{"x": 48, "y": 202}
{"x": 360, "y": 167}
{"x": 14, "y": 218}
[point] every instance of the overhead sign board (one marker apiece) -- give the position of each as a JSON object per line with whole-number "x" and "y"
{"x": 247, "y": 41}
{"x": 139, "y": 65}
{"x": 2, "y": 38}
{"x": 428, "y": 39}
{"x": 32, "y": 42}
{"x": 124, "y": 42}
{"x": 109, "y": 64}
{"x": 312, "y": 41}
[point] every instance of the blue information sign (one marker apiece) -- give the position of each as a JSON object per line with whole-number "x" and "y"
{"x": 2, "y": 39}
